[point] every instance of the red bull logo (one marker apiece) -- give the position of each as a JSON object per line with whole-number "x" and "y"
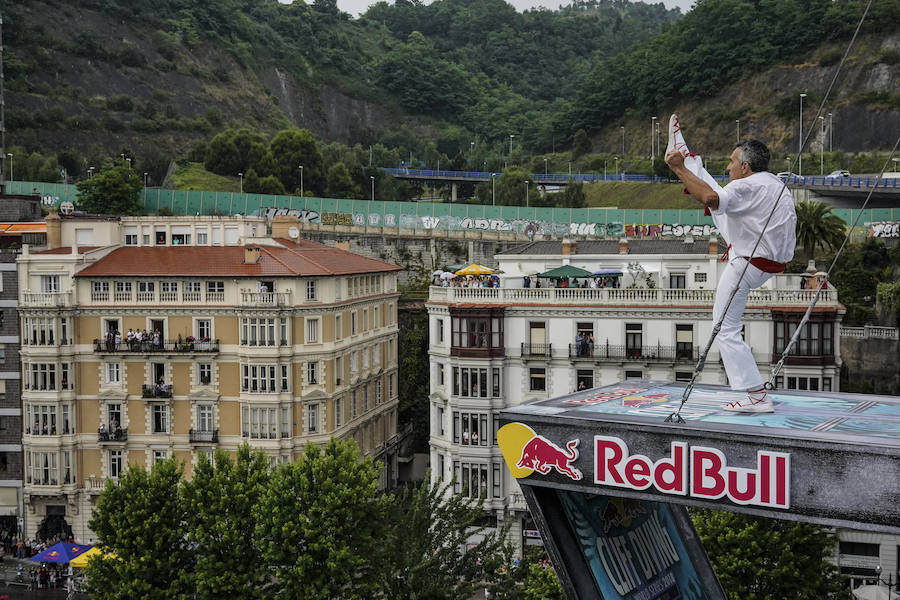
{"x": 695, "y": 471}
{"x": 526, "y": 452}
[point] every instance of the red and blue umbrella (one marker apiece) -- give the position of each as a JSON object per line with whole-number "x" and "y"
{"x": 62, "y": 552}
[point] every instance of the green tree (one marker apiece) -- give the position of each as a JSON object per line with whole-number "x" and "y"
{"x": 219, "y": 502}
{"x": 412, "y": 358}
{"x": 292, "y": 148}
{"x": 541, "y": 583}
{"x": 320, "y": 525}
{"x": 818, "y": 227}
{"x": 115, "y": 190}
{"x": 427, "y": 554}
{"x": 510, "y": 187}
{"x": 234, "y": 151}
{"x": 581, "y": 145}
{"x": 141, "y": 519}
{"x": 758, "y": 559}
{"x": 340, "y": 184}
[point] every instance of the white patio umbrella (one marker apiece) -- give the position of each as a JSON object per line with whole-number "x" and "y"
{"x": 874, "y": 592}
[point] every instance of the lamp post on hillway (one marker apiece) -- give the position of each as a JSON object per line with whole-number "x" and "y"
{"x": 800, "y": 148}
{"x": 738, "y": 123}
{"x": 301, "y": 180}
{"x": 526, "y": 193}
{"x": 10, "y": 155}
{"x": 241, "y": 175}
{"x": 822, "y": 148}
{"x": 652, "y": 143}
{"x": 831, "y": 132}
{"x": 511, "y": 136}
{"x": 623, "y": 139}
{"x": 493, "y": 190}
{"x": 616, "y": 158}
{"x": 372, "y": 179}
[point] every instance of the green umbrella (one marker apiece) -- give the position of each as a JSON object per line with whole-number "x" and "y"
{"x": 564, "y": 272}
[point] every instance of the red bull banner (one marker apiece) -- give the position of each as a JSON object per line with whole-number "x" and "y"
{"x": 696, "y": 471}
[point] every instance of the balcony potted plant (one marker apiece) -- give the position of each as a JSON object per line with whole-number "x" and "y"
{"x": 188, "y": 344}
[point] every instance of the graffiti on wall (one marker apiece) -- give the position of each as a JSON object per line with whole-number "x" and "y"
{"x": 520, "y": 226}
{"x": 884, "y": 229}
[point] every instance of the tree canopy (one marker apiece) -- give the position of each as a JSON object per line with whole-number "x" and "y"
{"x": 115, "y": 190}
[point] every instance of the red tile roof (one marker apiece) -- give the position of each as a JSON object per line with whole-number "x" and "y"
{"x": 304, "y": 258}
{"x": 68, "y": 250}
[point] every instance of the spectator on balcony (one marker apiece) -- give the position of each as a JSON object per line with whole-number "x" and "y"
{"x": 104, "y": 435}
{"x": 157, "y": 339}
{"x": 110, "y": 341}
{"x": 590, "y": 344}
{"x": 579, "y": 344}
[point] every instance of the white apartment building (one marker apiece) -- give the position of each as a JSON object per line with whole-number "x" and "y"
{"x": 493, "y": 348}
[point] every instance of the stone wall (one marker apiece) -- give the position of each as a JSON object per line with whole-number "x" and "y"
{"x": 870, "y": 366}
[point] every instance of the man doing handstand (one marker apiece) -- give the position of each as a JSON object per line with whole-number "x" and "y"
{"x": 740, "y": 210}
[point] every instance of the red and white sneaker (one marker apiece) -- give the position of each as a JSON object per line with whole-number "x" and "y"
{"x": 676, "y": 140}
{"x": 754, "y": 403}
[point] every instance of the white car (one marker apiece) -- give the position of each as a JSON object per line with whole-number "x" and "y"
{"x": 839, "y": 173}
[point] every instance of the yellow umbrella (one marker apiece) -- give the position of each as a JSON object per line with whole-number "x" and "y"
{"x": 82, "y": 560}
{"x": 475, "y": 269}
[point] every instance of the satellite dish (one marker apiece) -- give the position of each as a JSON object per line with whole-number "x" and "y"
{"x": 67, "y": 208}
{"x": 294, "y": 233}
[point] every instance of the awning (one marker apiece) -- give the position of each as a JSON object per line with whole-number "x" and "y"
{"x": 564, "y": 272}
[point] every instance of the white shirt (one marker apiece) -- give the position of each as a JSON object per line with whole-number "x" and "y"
{"x": 744, "y": 206}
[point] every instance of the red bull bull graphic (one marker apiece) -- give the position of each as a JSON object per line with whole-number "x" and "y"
{"x": 697, "y": 471}
{"x": 527, "y": 452}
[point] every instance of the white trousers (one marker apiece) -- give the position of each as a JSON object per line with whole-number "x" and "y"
{"x": 743, "y": 374}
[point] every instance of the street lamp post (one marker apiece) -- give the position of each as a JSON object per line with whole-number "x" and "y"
{"x": 545, "y": 167}
{"x": 372, "y": 179}
{"x": 11, "y": 174}
{"x": 241, "y": 175}
{"x": 129, "y": 162}
{"x": 90, "y": 172}
{"x": 623, "y": 139}
{"x": 831, "y": 132}
{"x": 800, "y": 148}
{"x": 658, "y": 151}
{"x": 526, "y": 193}
{"x": 301, "y": 179}
{"x": 493, "y": 190}
{"x": 616, "y": 158}
{"x": 738, "y": 122}
{"x": 570, "y": 168}
{"x": 652, "y": 131}
{"x": 604, "y": 169}
{"x": 511, "y": 136}
{"x": 889, "y": 583}
{"x": 822, "y": 148}
{"x": 145, "y": 179}
{"x": 895, "y": 163}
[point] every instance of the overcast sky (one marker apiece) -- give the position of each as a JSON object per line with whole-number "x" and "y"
{"x": 355, "y": 7}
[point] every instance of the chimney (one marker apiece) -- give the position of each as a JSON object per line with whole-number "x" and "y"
{"x": 54, "y": 230}
{"x": 623, "y": 245}
{"x": 281, "y": 225}
{"x": 251, "y": 255}
{"x": 713, "y": 245}
{"x": 811, "y": 267}
{"x": 568, "y": 246}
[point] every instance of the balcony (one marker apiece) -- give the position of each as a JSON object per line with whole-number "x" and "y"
{"x": 47, "y": 431}
{"x": 118, "y": 436}
{"x": 265, "y": 298}
{"x": 148, "y": 347}
{"x": 204, "y": 437}
{"x": 537, "y": 350}
{"x": 46, "y": 299}
{"x": 156, "y": 391}
{"x": 618, "y": 352}
{"x": 623, "y": 296}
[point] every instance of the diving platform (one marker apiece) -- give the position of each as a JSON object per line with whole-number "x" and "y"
{"x": 608, "y": 479}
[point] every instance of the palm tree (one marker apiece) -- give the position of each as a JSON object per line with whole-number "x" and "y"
{"x": 818, "y": 226}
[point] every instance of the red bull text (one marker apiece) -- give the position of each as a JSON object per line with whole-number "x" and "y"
{"x": 541, "y": 455}
{"x": 695, "y": 471}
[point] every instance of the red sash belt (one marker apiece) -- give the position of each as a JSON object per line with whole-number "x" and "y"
{"x": 765, "y": 265}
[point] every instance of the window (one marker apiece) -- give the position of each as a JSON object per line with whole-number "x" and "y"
{"x": 168, "y": 291}
{"x": 440, "y": 330}
{"x": 283, "y": 331}
{"x": 312, "y": 418}
{"x": 473, "y": 382}
{"x": 114, "y": 416}
{"x": 676, "y": 281}
{"x": 115, "y": 463}
{"x": 113, "y": 373}
{"x": 284, "y": 378}
{"x": 99, "y": 291}
{"x": 699, "y": 277}
{"x": 160, "y": 418}
{"x": 816, "y": 338}
{"x": 258, "y": 378}
{"x": 379, "y": 385}
{"x": 826, "y": 384}
{"x": 160, "y": 455}
{"x": 375, "y": 317}
{"x": 477, "y": 332}
{"x": 131, "y": 236}
{"x": 537, "y": 379}
{"x": 338, "y": 370}
{"x": 353, "y": 322}
{"x": 215, "y": 289}
{"x": 285, "y": 422}
{"x": 160, "y": 235}
{"x": 181, "y": 235}
{"x": 338, "y": 329}
{"x": 806, "y": 383}
{"x": 684, "y": 376}
{"x": 338, "y": 412}
{"x": 204, "y": 418}
{"x": 684, "y": 341}
{"x": 40, "y": 419}
{"x": 312, "y": 331}
{"x": 202, "y": 237}
{"x": 43, "y": 376}
{"x": 49, "y": 284}
{"x": 354, "y": 409}
{"x": 391, "y": 383}
{"x": 472, "y": 480}
{"x": 204, "y": 329}
{"x": 192, "y": 291}
{"x": 471, "y": 429}
{"x": 634, "y": 374}
{"x": 634, "y": 335}
{"x": 312, "y": 373}
{"x": 311, "y": 290}
{"x": 366, "y": 324}
{"x": 204, "y": 373}
{"x": 259, "y": 423}
{"x": 365, "y": 398}
{"x": 44, "y": 469}
{"x": 258, "y": 332}
{"x": 585, "y": 379}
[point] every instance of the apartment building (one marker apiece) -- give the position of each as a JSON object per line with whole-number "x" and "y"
{"x": 146, "y": 338}
{"x": 493, "y": 348}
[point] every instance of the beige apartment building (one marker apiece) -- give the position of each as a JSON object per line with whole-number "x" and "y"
{"x": 145, "y": 338}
